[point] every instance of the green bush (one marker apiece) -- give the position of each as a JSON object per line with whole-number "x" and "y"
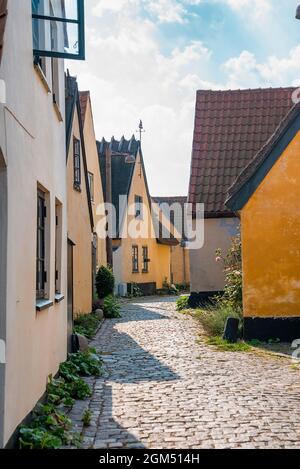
{"x": 233, "y": 292}
{"x": 66, "y": 390}
{"x": 214, "y": 317}
{"x": 50, "y": 429}
{"x": 182, "y": 303}
{"x": 105, "y": 282}
{"x": 111, "y": 308}
{"x": 86, "y": 363}
{"x": 86, "y": 325}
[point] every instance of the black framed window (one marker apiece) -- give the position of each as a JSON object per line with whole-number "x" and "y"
{"x": 91, "y": 185}
{"x": 146, "y": 259}
{"x": 41, "y": 275}
{"x": 77, "y": 164}
{"x": 135, "y": 259}
{"x": 138, "y": 206}
{"x": 58, "y": 28}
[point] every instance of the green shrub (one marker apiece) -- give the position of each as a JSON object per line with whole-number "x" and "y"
{"x": 50, "y": 429}
{"x": 233, "y": 292}
{"x": 182, "y": 303}
{"x": 105, "y": 282}
{"x": 213, "y": 318}
{"x": 111, "y": 308}
{"x": 86, "y": 325}
{"x": 86, "y": 363}
{"x": 66, "y": 390}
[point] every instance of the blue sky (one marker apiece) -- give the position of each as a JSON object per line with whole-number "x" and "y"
{"x": 147, "y": 58}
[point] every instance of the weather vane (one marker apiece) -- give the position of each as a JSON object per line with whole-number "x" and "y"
{"x": 141, "y": 130}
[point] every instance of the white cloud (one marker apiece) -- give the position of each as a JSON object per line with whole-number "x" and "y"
{"x": 104, "y": 6}
{"x": 245, "y": 71}
{"x": 250, "y": 8}
{"x": 167, "y": 11}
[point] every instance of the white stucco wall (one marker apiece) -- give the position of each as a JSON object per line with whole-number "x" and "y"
{"x": 34, "y": 149}
{"x": 207, "y": 274}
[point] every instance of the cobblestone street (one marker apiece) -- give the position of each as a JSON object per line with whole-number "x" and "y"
{"x": 165, "y": 388}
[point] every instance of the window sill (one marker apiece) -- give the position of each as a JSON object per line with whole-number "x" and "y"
{"x": 135, "y": 272}
{"x": 59, "y": 298}
{"x": 57, "y": 112}
{"x": 42, "y": 77}
{"x": 41, "y": 305}
{"x": 145, "y": 271}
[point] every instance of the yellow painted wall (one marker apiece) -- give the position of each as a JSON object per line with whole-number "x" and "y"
{"x": 94, "y": 168}
{"x": 80, "y": 232}
{"x": 180, "y": 265}
{"x": 271, "y": 240}
{"x": 160, "y": 255}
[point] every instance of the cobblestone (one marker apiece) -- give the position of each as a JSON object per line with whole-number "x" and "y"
{"x": 165, "y": 388}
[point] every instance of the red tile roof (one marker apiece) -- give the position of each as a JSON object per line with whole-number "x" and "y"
{"x": 280, "y": 137}
{"x": 230, "y": 128}
{"x": 84, "y": 97}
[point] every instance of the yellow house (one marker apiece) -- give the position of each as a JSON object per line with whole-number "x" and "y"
{"x": 267, "y": 195}
{"x": 141, "y": 255}
{"x": 80, "y": 212}
{"x": 174, "y": 210}
{"x": 94, "y": 176}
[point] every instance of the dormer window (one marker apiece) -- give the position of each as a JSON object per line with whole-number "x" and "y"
{"x": 58, "y": 28}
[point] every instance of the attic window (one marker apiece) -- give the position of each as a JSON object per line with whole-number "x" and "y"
{"x": 58, "y": 28}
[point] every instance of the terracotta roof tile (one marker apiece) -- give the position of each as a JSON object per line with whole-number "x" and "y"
{"x": 230, "y": 128}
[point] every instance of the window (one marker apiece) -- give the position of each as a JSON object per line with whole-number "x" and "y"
{"x": 58, "y": 246}
{"x": 135, "y": 259}
{"x": 58, "y": 29}
{"x": 77, "y": 165}
{"x": 41, "y": 275}
{"x": 146, "y": 260}
{"x": 138, "y": 207}
{"x": 91, "y": 185}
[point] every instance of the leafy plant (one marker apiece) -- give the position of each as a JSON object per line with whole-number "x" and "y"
{"x": 87, "y": 417}
{"x": 65, "y": 391}
{"x": 86, "y": 363}
{"x": 214, "y": 318}
{"x": 233, "y": 292}
{"x": 50, "y": 429}
{"x": 86, "y": 325}
{"x": 111, "y": 308}
{"x": 105, "y": 282}
{"x": 182, "y": 303}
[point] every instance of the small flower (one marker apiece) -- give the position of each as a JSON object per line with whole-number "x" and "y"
{"x": 218, "y": 259}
